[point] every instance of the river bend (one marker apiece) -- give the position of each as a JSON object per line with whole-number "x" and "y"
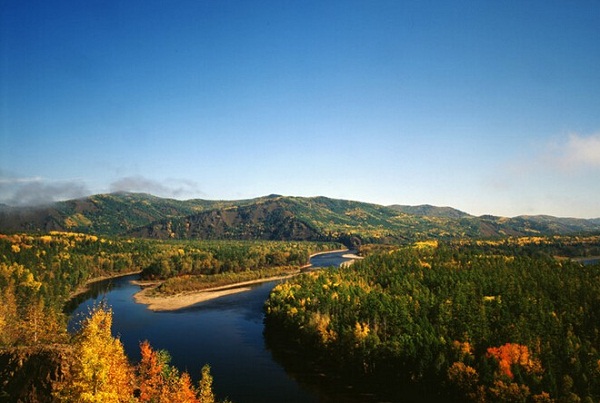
{"x": 226, "y": 333}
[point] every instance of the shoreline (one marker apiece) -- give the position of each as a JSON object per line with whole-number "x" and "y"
{"x": 162, "y": 303}
{"x": 85, "y": 287}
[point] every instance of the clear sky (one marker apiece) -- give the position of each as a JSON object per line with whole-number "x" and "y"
{"x": 491, "y": 107}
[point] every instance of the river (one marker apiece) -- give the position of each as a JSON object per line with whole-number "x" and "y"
{"x": 226, "y": 333}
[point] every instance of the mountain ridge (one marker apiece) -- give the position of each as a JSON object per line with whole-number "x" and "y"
{"x": 432, "y": 211}
{"x": 274, "y": 217}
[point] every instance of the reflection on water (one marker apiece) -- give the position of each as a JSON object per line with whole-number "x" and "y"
{"x": 312, "y": 373}
{"x": 226, "y": 332}
{"x": 96, "y": 290}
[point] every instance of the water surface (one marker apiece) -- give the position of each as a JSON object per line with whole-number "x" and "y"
{"x": 226, "y": 333}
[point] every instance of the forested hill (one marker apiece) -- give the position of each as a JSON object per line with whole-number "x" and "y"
{"x": 273, "y": 217}
{"x": 106, "y": 214}
{"x": 431, "y": 211}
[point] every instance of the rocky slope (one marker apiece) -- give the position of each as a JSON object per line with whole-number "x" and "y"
{"x": 274, "y": 217}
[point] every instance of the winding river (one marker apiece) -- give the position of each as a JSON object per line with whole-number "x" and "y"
{"x": 226, "y": 333}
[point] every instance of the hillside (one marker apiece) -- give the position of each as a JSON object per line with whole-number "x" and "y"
{"x": 431, "y": 211}
{"x": 274, "y": 217}
{"x": 279, "y": 217}
{"x": 263, "y": 219}
{"x": 108, "y": 214}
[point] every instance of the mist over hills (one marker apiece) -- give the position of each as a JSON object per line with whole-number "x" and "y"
{"x": 274, "y": 217}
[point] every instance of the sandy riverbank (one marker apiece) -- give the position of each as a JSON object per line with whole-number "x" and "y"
{"x": 353, "y": 258}
{"x": 184, "y": 300}
{"x": 156, "y": 302}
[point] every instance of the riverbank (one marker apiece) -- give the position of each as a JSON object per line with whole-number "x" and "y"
{"x": 157, "y": 302}
{"x": 353, "y": 258}
{"x": 85, "y": 287}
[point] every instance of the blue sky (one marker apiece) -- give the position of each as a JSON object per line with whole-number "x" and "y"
{"x": 489, "y": 107}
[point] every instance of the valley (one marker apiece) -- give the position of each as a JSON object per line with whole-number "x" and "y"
{"x": 430, "y": 282}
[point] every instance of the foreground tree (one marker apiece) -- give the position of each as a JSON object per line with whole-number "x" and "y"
{"x": 101, "y": 371}
{"x": 206, "y": 392}
{"x": 160, "y": 382}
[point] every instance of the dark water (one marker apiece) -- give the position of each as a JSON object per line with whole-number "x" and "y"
{"x": 226, "y": 333}
{"x": 588, "y": 261}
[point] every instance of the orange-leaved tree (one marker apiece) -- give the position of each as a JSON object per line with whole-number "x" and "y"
{"x": 514, "y": 354}
{"x": 160, "y": 382}
{"x": 101, "y": 373}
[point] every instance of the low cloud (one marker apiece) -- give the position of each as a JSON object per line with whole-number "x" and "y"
{"x": 569, "y": 156}
{"x": 175, "y": 188}
{"x": 18, "y": 190}
{"x": 574, "y": 153}
{"x": 33, "y": 191}
{"x": 11, "y": 181}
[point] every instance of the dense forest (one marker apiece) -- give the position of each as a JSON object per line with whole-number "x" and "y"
{"x": 40, "y": 273}
{"x": 502, "y": 319}
{"x": 509, "y": 320}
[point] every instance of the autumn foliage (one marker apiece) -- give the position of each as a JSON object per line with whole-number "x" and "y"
{"x": 500, "y": 320}
{"x": 101, "y": 372}
{"x": 160, "y": 382}
{"x": 514, "y": 354}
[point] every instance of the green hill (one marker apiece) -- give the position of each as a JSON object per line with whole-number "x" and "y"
{"x": 431, "y": 211}
{"x": 274, "y": 217}
{"x": 108, "y": 214}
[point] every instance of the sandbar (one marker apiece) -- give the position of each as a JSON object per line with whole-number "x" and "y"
{"x": 184, "y": 300}
{"x": 157, "y": 302}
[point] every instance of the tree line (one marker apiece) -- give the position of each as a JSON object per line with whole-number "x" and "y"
{"x": 504, "y": 320}
{"x": 178, "y": 258}
{"x": 39, "y": 273}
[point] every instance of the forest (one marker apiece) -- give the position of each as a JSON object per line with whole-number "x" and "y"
{"x": 39, "y": 273}
{"x": 194, "y": 265}
{"x": 513, "y": 319}
{"x": 483, "y": 321}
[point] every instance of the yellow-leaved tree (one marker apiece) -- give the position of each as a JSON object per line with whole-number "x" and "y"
{"x": 206, "y": 392}
{"x": 101, "y": 371}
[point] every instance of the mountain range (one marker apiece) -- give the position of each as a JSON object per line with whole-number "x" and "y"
{"x": 274, "y": 217}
